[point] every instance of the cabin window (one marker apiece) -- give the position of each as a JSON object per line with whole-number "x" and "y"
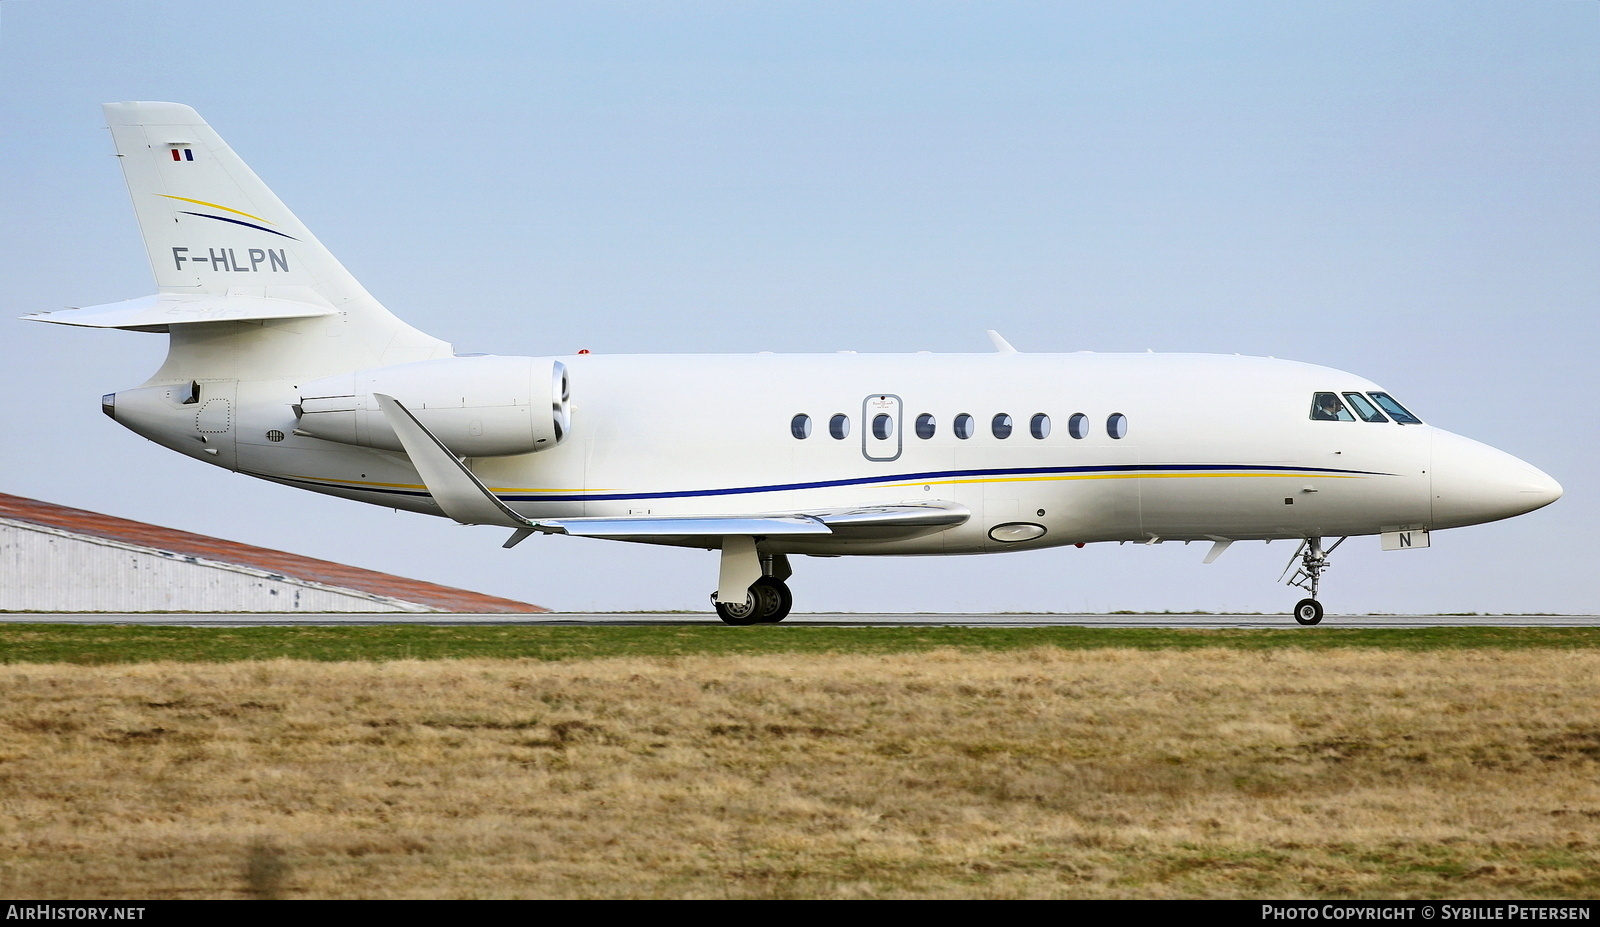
{"x": 1039, "y": 426}
{"x": 882, "y": 426}
{"x": 925, "y": 426}
{"x": 839, "y": 426}
{"x": 1078, "y": 426}
{"x": 1000, "y": 425}
{"x": 1365, "y": 409}
{"x": 800, "y": 426}
{"x": 1117, "y": 425}
{"x": 1326, "y": 407}
{"x": 1396, "y": 410}
{"x": 963, "y": 426}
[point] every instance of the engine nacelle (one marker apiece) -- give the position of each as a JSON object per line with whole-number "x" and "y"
{"x": 483, "y": 406}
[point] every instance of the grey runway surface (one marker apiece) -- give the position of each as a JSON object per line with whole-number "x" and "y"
{"x": 838, "y": 619}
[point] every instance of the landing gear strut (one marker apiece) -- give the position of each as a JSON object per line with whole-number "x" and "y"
{"x": 768, "y": 600}
{"x": 1313, "y": 560}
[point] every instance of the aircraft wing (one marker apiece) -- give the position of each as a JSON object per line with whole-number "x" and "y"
{"x": 464, "y": 498}
{"x": 857, "y": 521}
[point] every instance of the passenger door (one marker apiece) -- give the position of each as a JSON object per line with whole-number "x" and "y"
{"x": 880, "y": 427}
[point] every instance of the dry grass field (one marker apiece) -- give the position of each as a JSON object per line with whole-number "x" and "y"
{"x": 952, "y": 773}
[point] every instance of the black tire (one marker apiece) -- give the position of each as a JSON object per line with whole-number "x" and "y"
{"x": 1308, "y": 611}
{"x": 745, "y": 613}
{"x": 775, "y": 599}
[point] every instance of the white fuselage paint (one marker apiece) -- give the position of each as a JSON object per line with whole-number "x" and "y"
{"x": 1217, "y": 447}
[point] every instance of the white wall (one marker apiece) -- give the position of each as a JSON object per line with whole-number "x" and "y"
{"x": 49, "y": 570}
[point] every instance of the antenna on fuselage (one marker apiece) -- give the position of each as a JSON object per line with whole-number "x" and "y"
{"x": 1001, "y": 345}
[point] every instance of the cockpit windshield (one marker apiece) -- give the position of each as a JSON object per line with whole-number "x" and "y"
{"x": 1326, "y": 407}
{"x": 1364, "y": 408}
{"x": 1396, "y": 410}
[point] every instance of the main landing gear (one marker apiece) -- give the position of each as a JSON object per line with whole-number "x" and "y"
{"x": 767, "y": 600}
{"x": 1313, "y": 560}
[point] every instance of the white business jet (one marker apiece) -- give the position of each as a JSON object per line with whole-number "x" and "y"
{"x": 281, "y": 366}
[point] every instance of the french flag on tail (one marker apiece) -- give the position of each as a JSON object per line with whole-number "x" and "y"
{"x": 183, "y": 154}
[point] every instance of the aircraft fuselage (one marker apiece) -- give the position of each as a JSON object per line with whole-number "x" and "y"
{"x": 1211, "y": 447}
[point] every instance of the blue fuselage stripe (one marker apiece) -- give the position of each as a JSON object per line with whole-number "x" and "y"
{"x": 928, "y": 475}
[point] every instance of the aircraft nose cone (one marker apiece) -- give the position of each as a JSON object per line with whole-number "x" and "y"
{"x": 1474, "y": 483}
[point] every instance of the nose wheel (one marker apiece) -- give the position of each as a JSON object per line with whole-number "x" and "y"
{"x": 1312, "y": 561}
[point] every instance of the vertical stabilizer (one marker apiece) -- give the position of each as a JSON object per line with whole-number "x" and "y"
{"x": 213, "y": 229}
{"x": 209, "y": 223}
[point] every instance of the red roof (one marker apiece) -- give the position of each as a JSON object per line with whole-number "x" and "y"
{"x": 292, "y": 566}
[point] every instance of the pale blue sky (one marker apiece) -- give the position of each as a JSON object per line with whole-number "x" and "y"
{"x": 1407, "y": 191}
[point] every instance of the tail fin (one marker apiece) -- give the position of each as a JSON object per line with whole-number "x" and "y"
{"x": 214, "y": 233}
{"x": 209, "y": 223}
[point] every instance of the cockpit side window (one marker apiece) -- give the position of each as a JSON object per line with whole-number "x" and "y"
{"x": 1396, "y": 410}
{"x": 1365, "y": 409}
{"x": 1326, "y": 407}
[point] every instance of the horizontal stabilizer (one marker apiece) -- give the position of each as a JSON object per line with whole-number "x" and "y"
{"x": 159, "y": 313}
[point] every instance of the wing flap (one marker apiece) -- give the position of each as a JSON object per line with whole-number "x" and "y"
{"x": 902, "y": 515}
{"x": 685, "y": 526}
{"x": 869, "y": 519}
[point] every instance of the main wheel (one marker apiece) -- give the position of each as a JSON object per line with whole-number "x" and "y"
{"x": 743, "y": 613}
{"x": 1308, "y": 611}
{"x": 774, "y": 597}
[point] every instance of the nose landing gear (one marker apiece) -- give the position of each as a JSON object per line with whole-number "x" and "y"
{"x": 1313, "y": 560}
